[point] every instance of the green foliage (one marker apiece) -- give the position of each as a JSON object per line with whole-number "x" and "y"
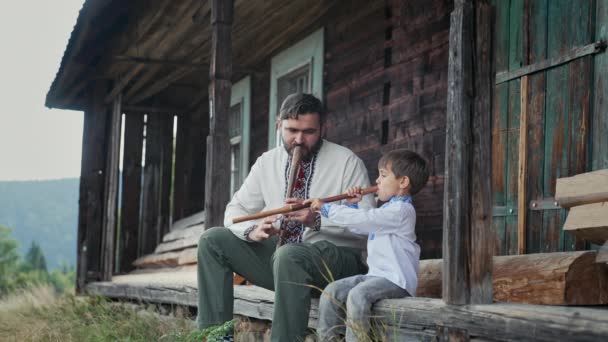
{"x": 16, "y": 274}
{"x": 9, "y": 261}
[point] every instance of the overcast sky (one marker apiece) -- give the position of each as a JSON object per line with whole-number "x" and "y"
{"x": 35, "y": 142}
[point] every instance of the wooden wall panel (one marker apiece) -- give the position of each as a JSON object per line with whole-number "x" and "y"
{"x": 599, "y": 123}
{"x": 559, "y": 108}
{"x": 131, "y": 190}
{"x": 157, "y": 178}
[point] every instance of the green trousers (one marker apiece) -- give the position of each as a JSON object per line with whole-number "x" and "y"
{"x": 290, "y": 271}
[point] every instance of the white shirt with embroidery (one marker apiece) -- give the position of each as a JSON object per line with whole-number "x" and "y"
{"x": 392, "y": 251}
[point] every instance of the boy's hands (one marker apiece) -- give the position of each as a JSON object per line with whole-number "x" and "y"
{"x": 354, "y": 193}
{"x": 315, "y": 204}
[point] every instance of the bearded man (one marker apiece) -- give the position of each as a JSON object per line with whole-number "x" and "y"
{"x": 313, "y": 251}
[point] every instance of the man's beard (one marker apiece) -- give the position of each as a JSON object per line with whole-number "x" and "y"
{"x": 306, "y": 152}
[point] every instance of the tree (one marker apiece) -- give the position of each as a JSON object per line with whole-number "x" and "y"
{"x": 34, "y": 259}
{"x": 9, "y": 261}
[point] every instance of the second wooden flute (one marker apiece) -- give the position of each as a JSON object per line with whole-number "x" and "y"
{"x": 294, "y": 207}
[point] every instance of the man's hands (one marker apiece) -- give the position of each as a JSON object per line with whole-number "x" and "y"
{"x": 264, "y": 230}
{"x": 305, "y": 216}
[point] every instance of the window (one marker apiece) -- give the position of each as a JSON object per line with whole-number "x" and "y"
{"x": 297, "y": 69}
{"x": 239, "y": 131}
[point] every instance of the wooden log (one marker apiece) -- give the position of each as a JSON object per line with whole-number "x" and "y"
{"x": 218, "y": 161}
{"x": 589, "y": 222}
{"x": 501, "y": 322}
{"x": 131, "y": 191}
{"x": 570, "y": 278}
{"x": 584, "y": 188}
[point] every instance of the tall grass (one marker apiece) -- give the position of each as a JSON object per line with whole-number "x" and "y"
{"x": 40, "y": 315}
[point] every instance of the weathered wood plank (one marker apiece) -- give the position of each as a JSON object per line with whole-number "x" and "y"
{"x": 191, "y": 231}
{"x": 111, "y": 191}
{"x": 503, "y": 322}
{"x": 187, "y": 222}
{"x": 500, "y": 126}
{"x": 91, "y": 191}
{"x": 157, "y": 178}
{"x": 177, "y": 244}
{"x": 599, "y": 121}
{"x": 584, "y": 188}
{"x": 568, "y": 57}
{"x": 536, "y": 119}
{"x": 170, "y": 259}
{"x": 218, "y": 162}
{"x": 131, "y": 191}
{"x": 481, "y": 247}
{"x": 457, "y": 205}
{"x": 589, "y": 222}
{"x": 556, "y": 121}
{"x": 522, "y": 204}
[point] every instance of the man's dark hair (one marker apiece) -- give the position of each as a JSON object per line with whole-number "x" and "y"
{"x": 403, "y": 162}
{"x": 300, "y": 103}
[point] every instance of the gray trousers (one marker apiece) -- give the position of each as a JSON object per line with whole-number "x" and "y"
{"x": 291, "y": 271}
{"x": 346, "y": 305}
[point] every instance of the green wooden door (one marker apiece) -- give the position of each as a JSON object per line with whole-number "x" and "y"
{"x": 559, "y": 106}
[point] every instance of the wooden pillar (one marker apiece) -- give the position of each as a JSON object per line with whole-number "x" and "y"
{"x": 110, "y": 212}
{"x": 157, "y": 181}
{"x": 91, "y": 193}
{"x": 217, "y": 180}
{"x": 467, "y": 249}
{"x": 131, "y": 191}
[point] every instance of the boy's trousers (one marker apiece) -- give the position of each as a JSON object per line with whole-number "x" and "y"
{"x": 292, "y": 271}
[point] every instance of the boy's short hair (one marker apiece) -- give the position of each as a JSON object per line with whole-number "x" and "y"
{"x": 300, "y": 103}
{"x": 404, "y": 162}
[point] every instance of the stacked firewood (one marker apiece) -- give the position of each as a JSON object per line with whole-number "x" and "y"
{"x": 586, "y": 195}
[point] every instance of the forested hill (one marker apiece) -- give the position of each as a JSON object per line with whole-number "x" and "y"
{"x": 45, "y": 211}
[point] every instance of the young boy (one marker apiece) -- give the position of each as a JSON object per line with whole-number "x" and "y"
{"x": 393, "y": 254}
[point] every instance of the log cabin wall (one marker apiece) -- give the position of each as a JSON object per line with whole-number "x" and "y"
{"x": 385, "y": 87}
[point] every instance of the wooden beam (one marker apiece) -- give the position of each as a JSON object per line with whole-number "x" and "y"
{"x": 589, "y": 222}
{"x": 481, "y": 248}
{"x": 584, "y": 188}
{"x": 159, "y": 61}
{"x": 522, "y": 200}
{"x": 111, "y": 191}
{"x": 218, "y": 162}
{"x": 154, "y": 109}
{"x": 457, "y": 204}
{"x": 571, "y": 55}
{"x": 131, "y": 190}
{"x": 90, "y": 203}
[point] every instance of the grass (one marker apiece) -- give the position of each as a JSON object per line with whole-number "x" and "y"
{"x": 39, "y": 315}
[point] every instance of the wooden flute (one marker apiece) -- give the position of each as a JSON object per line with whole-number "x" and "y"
{"x": 294, "y": 207}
